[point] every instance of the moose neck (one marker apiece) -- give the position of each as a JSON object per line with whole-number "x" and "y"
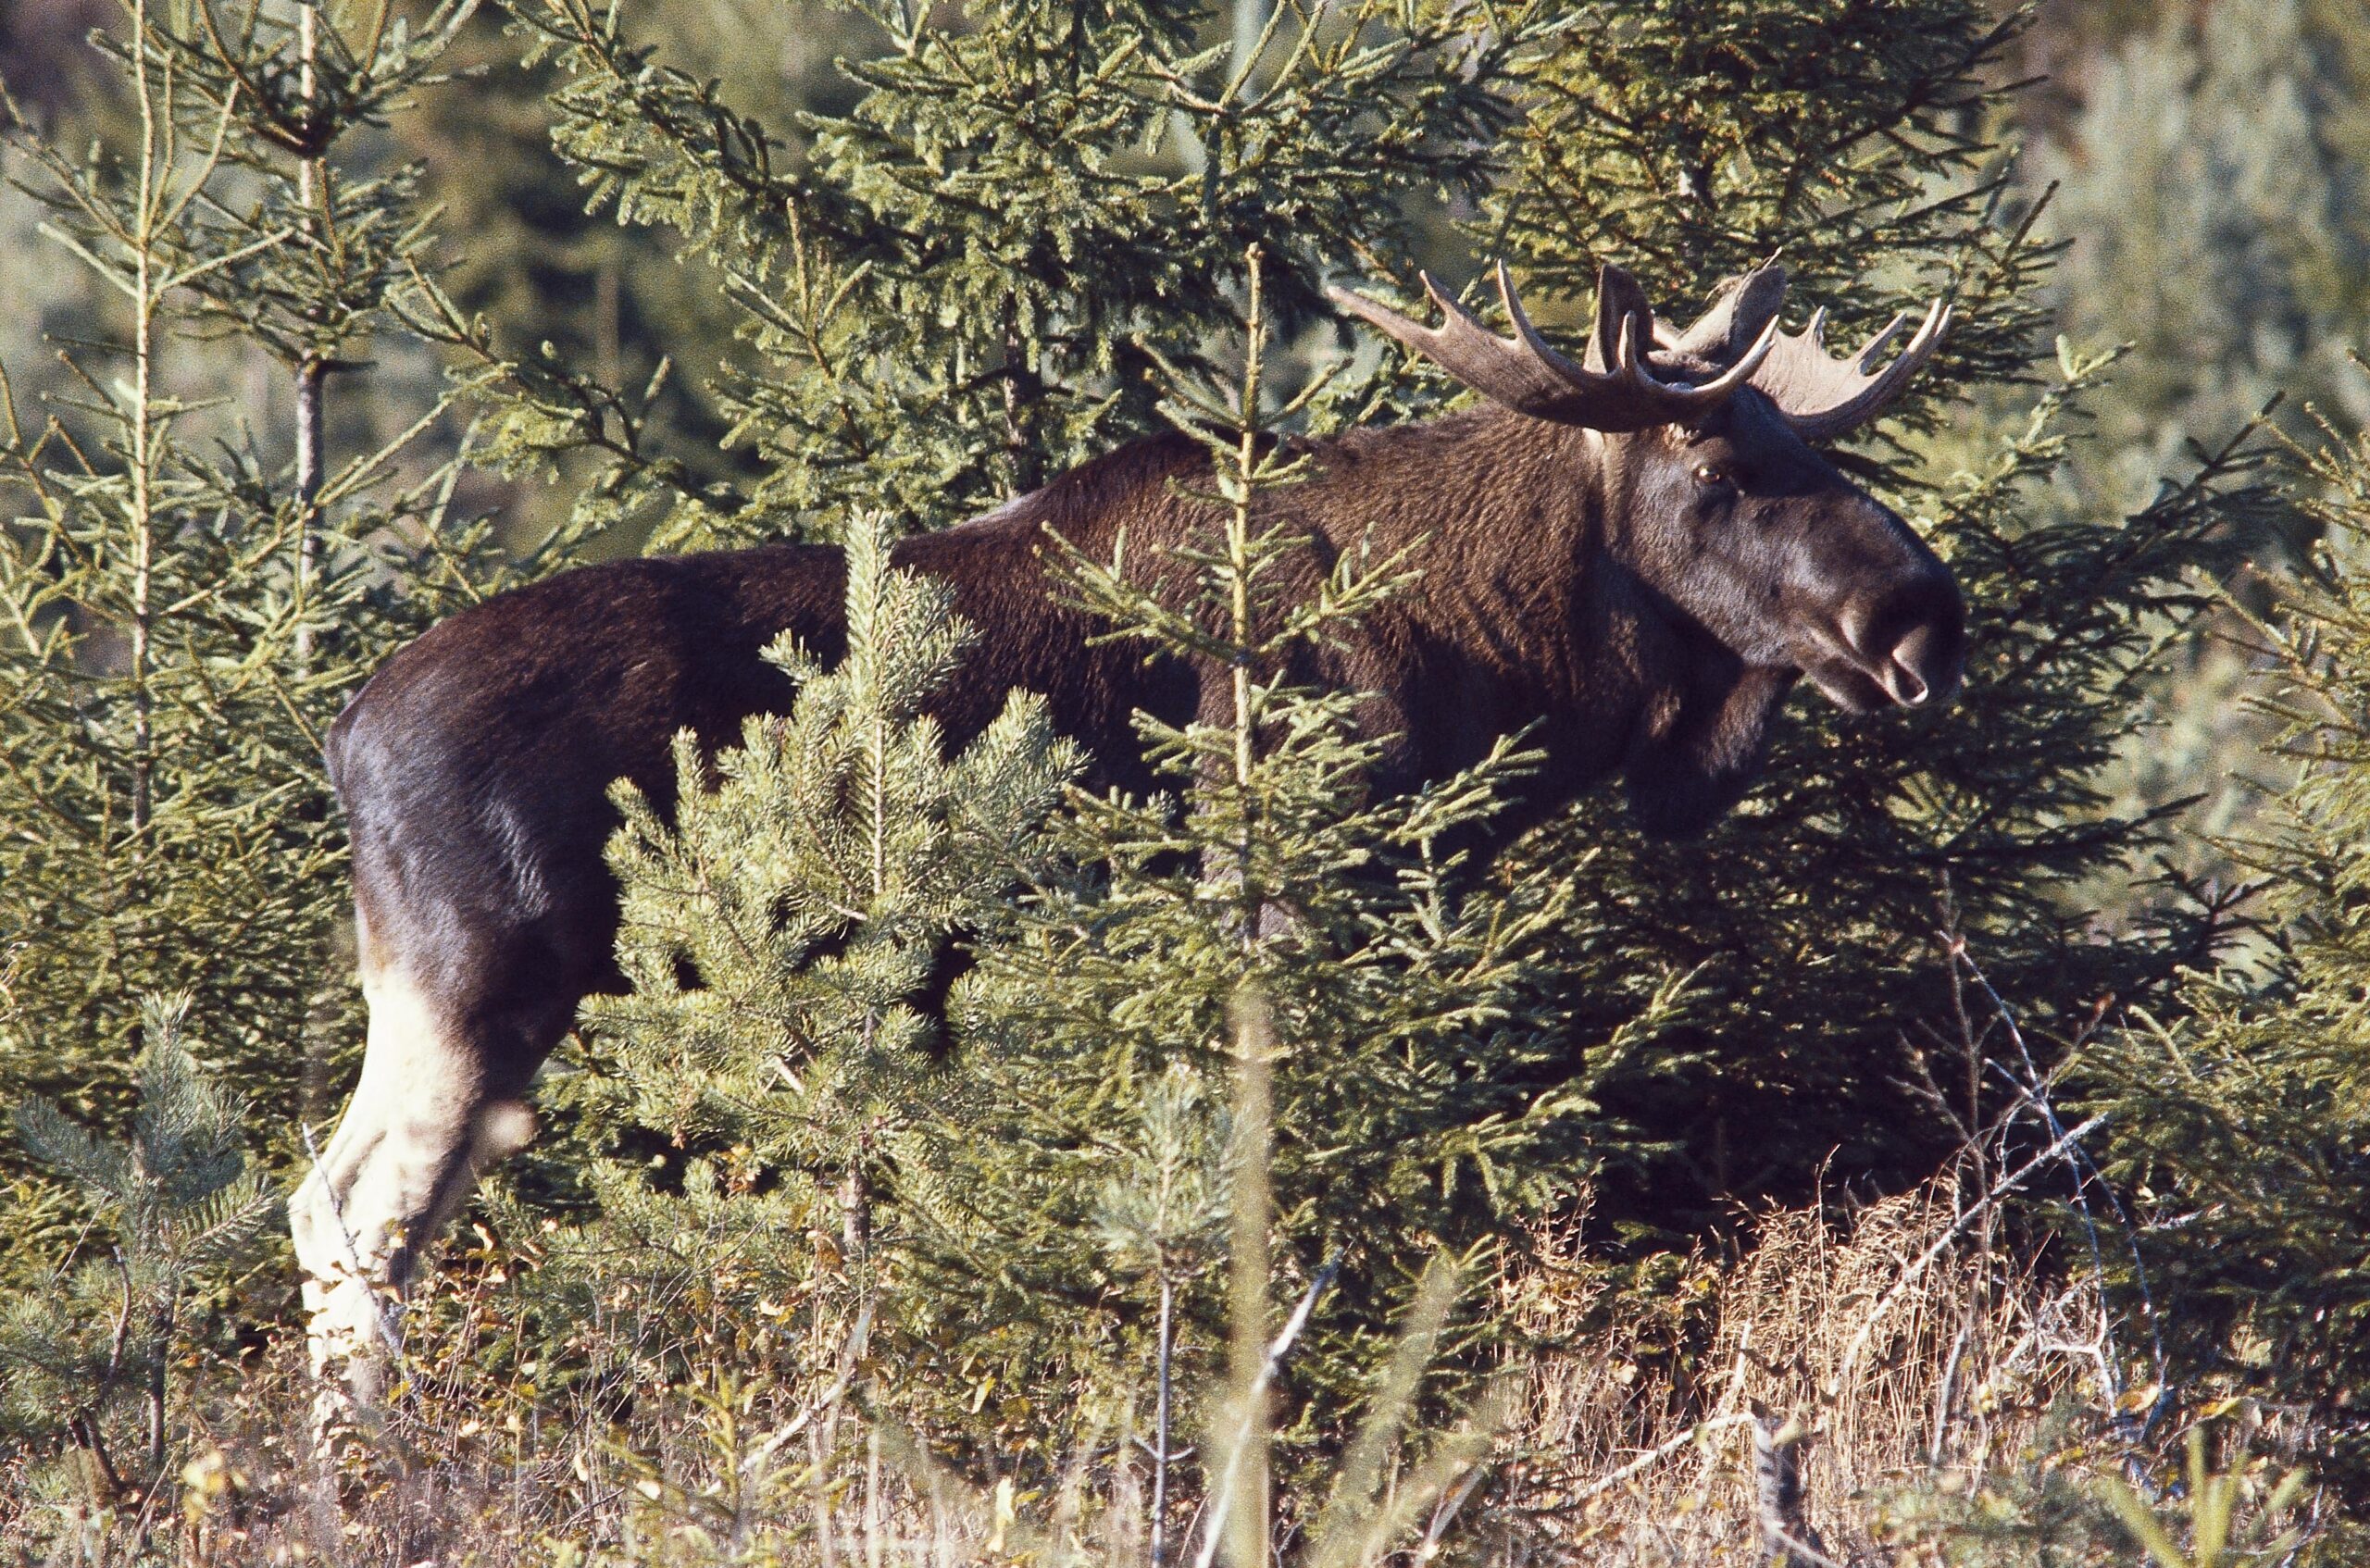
{"x": 1524, "y": 618}
{"x": 1503, "y": 514}
{"x": 1535, "y": 621}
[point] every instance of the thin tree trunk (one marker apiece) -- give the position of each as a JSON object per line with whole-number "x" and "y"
{"x": 1244, "y": 1485}
{"x": 607, "y": 346}
{"x": 1786, "y": 1536}
{"x": 144, "y": 739}
{"x": 105, "y": 1485}
{"x": 310, "y": 377}
{"x": 166, "y": 1323}
{"x": 855, "y": 1214}
{"x": 1254, "y": 1032}
{"x": 1160, "y": 1421}
{"x": 1250, "y": 20}
{"x": 312, "y": 373}
{"x": 821, "y": 1441}
{"x": 874, "y": 1543}
{"x": 1023, "y": 390}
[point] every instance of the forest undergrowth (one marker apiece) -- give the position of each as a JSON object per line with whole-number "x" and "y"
{"x": 1939, "y": 1377}
{"x": 1883, "y": 1391}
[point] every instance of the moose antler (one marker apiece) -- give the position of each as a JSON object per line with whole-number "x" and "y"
{"x": 1615, "y": 392}
{"x": 1822, "y": 396}
{"x": 1740, "y": 310}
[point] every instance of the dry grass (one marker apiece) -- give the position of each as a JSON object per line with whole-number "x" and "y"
{"x": 1882, "y": 1356}
{"x": 1901, "y": 1386}
{"x": 1901, "y": 1353}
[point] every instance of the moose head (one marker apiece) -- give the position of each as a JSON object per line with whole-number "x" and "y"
{"x": 1713, "y": 494}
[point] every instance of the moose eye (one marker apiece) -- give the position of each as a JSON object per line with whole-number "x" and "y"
{"x": 1711, "y": 474}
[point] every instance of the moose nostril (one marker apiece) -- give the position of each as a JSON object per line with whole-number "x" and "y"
{"x": 1928, "y": 658}
{"x": 1874, "y": 627}
{"x": 1910, "y": 641}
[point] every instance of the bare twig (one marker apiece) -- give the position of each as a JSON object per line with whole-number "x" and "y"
{"x": 1269, "y": 1365}
{"x": 1951, "y": 1234}
{"x": 1656, "y": 1455}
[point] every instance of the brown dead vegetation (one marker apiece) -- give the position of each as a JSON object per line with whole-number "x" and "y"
{"x": 1868, "y": 1390}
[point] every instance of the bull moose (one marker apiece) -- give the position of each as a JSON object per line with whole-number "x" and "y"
{"x": 1635, "y": 554}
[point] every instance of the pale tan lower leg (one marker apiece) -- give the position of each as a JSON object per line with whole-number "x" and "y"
{"x": 406, "y": 1153}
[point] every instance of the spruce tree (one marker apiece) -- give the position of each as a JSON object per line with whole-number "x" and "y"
{"x": 947, "y": 294}
{"x": 779, "y": 931}
{"x": 522, "y": 251}
{"x": 2241, "y": 1134}
{"x": 1856, "y": 143}
{"x": 1268, "y": 1017}
{"x": 89, "y": 1358}
{"x": 189, "y": 588}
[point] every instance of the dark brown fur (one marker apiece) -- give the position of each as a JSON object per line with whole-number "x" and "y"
{"x": 1646, "y": 620}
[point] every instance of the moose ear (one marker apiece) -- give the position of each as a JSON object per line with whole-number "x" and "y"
{"x": 1619, "y": 303}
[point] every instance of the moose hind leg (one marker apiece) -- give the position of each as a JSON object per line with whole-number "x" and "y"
{"x": 425, "y": 1116}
